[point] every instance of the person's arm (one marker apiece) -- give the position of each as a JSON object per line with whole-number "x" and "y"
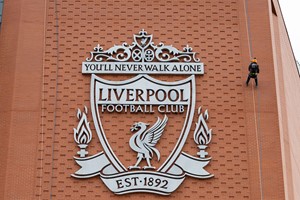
{"x": 257, "y": 68}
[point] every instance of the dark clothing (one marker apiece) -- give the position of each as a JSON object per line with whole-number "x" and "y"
{"x": 253, "y": 71}
{"x": 253, "y": 68}
{"x": 248, "y": 79}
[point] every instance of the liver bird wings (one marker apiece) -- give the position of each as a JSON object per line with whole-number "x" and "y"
{"x": 151, "y": 136}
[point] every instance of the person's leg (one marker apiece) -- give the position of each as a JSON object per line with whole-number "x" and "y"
{"x": 248, "y": 79}
{"x": 256, "y": 81}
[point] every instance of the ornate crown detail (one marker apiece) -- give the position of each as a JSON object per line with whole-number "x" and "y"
{"x": 143, "y": 50}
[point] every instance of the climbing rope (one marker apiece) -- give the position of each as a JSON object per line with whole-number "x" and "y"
{"x": 256, "y": 118}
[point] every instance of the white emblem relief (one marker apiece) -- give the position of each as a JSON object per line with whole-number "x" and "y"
{"x": 202, "y": 136}
{"x": 144, "y": 140}
{"x": 158, "y": 100}
{"x": 83, "y": 133}
{"x": 148, "y": 58}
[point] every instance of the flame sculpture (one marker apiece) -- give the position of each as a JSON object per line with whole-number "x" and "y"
{"x": 83, "y": 133}
{"x": 202, "y": 136}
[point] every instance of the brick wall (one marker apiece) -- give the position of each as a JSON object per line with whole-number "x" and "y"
{"x": 217, "y": 31}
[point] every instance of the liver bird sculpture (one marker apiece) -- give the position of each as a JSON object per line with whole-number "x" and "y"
{"x": 144, "y": 140}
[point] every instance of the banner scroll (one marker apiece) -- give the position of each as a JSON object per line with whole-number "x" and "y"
{"x": 142, "y": 181}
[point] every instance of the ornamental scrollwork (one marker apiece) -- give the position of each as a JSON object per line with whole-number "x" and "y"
{"x": 143, "y": 49}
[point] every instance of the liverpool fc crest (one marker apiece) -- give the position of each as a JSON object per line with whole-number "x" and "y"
{"x": 142, "y": 111}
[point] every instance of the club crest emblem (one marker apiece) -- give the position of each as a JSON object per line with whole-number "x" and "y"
{"x": 142, "y": 115}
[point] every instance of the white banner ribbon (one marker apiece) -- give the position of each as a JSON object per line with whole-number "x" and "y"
{"x": 91, "y": 166}
{"x": 193, "y": 166}
{"x": 142, "y": 181}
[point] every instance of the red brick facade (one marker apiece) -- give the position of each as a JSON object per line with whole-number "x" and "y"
{"x": 42, "y": 46}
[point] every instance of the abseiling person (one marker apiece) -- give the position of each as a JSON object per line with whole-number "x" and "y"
{"x": 253, "y": 71}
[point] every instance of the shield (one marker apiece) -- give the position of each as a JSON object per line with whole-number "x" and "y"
{"x": 140, "y": 96}
{"x": 142, "y": 123}
{"x": 143, "y": 40}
